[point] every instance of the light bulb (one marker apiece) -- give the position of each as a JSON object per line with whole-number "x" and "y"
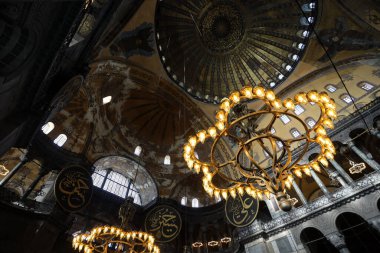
{"x": 235, "y": 97}
{"x": 221, "y": 116}
{"x": 193, "y": 141}
{"x": 259, "y": 91}
{"x": 289, "y": 104}
{"x": 212, "y": 132}
{"x": 269, "y": 94}
{"x": 313, "y": 96}
{"x": 225, "y": 105}
{"x": 201, "y": 136}
{"x": 247, "y": 92}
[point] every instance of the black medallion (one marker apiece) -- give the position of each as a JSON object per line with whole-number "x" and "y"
{"x": 73, "y": 188}
{"x": 242, "y": 210}
{"x": 164, "y": 223}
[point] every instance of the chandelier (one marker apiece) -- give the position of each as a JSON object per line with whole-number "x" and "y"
{"x": 109, "y": 239}
{"x": 112, "y": 239}
{"x": 242, "y": 172}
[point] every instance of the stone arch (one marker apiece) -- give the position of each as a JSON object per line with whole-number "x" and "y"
{"x": 359, "y": 235}
{"x": 315, "y": 241}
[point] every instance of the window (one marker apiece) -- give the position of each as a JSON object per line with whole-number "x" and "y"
{"x": 347, "y": 98}
{"x": 107, "y": 99}
{"x": 298, "y": 109}
{"x": 60, "y": 140}
{"x": 366, "y": 86}
{"x": 184, "y": 201}
{"x": 285, "y": 119}
{"x": 279, "y": 144}
{"x": 195, "y": 202}
{"x": 117, "y": 184}
{"x": 310, "y": 122}
{"x": 331, "y": 88}
{"x": 273, "y": 131}
{"x": 265, "y": 153}
{"x": 138, "y": 150}
{"x": 167, "y": 160}
{"x": 47, "y": 128}
{"x": 295, "y": 133}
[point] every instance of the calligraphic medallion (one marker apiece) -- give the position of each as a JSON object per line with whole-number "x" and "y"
{"x": 73, "y": 188}
{"x": 164, "y": 223}
{"x": 241, "y": 211}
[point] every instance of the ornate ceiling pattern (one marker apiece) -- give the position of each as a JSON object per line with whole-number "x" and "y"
{"x": 210, "y": 48}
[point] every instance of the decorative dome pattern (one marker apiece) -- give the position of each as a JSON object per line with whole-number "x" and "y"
{"x": 210, "y": 48}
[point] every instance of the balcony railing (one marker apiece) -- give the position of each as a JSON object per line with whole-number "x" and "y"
{"x": 359, "y": 188}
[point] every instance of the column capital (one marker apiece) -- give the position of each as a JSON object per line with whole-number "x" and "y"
{"x": 337, "y": 239}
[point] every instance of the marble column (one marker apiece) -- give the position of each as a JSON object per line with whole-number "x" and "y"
{"x": 363, "y": 156}
{"x": 299, "y": 193}
{"x": 337, "y": 239}
{"x": 341, "y": 171}
{"x": 319, "y": 182}
{"x": 13, "y": 171}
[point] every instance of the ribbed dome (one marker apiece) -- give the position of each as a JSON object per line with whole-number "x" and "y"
{"x": 210, "y": 48}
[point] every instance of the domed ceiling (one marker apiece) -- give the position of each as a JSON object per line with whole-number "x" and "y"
{"x": 210, "y": 48}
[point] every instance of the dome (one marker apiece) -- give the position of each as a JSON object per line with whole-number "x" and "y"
{"x": 212, "y": 48}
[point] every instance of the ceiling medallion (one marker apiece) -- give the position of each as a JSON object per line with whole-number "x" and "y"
{"x": 210, "y": 48}
{"x": 250, "y": 176}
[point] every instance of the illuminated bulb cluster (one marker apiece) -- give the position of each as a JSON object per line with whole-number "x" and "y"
{"x": 275, "y": 106}
{"x": 101, "y": 237}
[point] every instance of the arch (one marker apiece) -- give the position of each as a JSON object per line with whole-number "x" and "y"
{"x": 117, "y": 184}
{"x": 195, "y": 203}
{"x": 142, "y": 180}
{"x": 315, "y": 241}
{"x": 48, "y": 127}
{"x": 60, "y": 140}
{"x": 358, "y": 234}
{"x": 138, "y": 150}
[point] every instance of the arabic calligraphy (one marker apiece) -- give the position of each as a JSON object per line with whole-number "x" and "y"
{"x": 164, "y": 223}
{"x": 73, "y": 188}
{"x": 242, "y": 210}
{"x": 356, "y": 167}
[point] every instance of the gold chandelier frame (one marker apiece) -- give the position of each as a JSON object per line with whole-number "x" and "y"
{"x": 258, "y": 181}
{"x": 100, "y": 239}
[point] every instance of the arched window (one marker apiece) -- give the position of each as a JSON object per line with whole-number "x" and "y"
{"x": 298, "y": 109}
{"x": 310, "y": 122}
{"x": 295, "y": 133}
{"x": 138, "y": 150}
{"x": 60, "y": 140}
{"x": 195, "y": 202}
{"x": 117, "y": 184}
{"x": 107, "y": 99}
{"x": 285, "y": 119}
{"x": 347, "y": 98}
{"x": 47, "y": 128}
{"x": 167, "y": 160}
{"x": 366, "y": 86}
{"x": 331, "y": 88}
{"x": 184, "y": 201}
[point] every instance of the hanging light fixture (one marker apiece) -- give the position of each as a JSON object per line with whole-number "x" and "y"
{"x": 113, "y": 239}
{"x": 241, "y": 129}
